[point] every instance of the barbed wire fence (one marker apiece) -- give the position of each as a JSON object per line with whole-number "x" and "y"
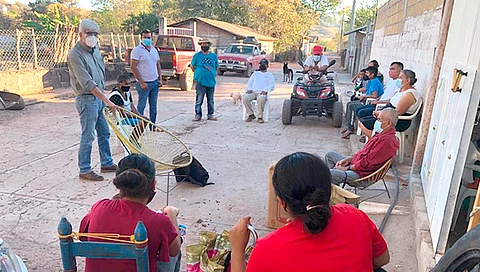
{"x": 28, "y": 49}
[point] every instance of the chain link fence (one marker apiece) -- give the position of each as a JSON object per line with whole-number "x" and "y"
{"x": 27, "y": 49}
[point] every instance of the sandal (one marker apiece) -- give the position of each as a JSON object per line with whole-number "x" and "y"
{"x": 347, "y": 134}
{"x": 362, "y": 139}
{"x": 344, "y": 130}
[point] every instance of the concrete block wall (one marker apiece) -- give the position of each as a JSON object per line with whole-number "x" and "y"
{"x": 414, "y": 45}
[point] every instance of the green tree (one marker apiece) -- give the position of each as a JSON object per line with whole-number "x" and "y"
{"x": 50, "y": 22}
{"x": 363, "y": 15}
{"x": 110, "y": 14}
{"x": 232, "y": 11}
{"x": 137, "y": 23}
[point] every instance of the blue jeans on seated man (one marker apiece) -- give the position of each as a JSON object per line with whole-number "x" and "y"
{"x": 201, "y": 92}
{"x": 150, "y": 94}
{"x": 89, "y": 108}
{"x": 172, "y": 266}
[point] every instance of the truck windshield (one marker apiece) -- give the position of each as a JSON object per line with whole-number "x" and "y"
{"x": 240, "y": 49}
{"x": 179, "y": 43}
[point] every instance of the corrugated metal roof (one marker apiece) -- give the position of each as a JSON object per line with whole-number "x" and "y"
{"x": 240, "y": 31}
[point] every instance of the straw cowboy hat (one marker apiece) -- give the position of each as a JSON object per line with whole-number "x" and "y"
{"x": 204, "y": 40}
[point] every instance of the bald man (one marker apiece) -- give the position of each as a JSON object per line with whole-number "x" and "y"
{"x": 380, "y": 148}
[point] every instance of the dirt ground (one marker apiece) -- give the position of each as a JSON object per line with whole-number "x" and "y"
{"x": 39, "y": 177}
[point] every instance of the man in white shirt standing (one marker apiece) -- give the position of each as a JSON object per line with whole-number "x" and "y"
{"x": 147, "y": 71}
{"x": 259, "y": 85}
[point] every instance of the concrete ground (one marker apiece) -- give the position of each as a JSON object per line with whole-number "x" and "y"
{"x": 39, "y": 178}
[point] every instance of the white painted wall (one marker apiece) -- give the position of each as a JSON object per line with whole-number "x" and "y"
{"x": 414, "y": 47}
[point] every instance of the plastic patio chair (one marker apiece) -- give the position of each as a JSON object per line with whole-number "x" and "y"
{"x": 266, "y": 111}
{"x": 135, "y": 248}
{"x": 139, "y": 135}
{"x": 365, "y": 182}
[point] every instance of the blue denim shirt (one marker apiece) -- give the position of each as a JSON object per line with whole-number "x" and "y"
{"x": 86, "y": 68}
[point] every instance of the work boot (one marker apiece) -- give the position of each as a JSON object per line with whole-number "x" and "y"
{"x": 197, "y": 118}
{"x": 91, "y": 176}
{"x": 250, "y": 118}
{"x": 108, "y": 169}
{"x": 212, "y": 118}
{"x": 260, "y": 120}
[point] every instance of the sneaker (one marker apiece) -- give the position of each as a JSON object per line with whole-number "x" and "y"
{"x": 91, "y": 176}
{"x": 250, "y": 118}
{"x": 260, "y": 120}
{"x": 197, "y": 118}
{"x": 108, "y": 169}
{"x": 212, "y": 118}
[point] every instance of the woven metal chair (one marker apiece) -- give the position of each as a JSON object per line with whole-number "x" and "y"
{"x": 139, "y": 135}
{"x": 365, "y": 182}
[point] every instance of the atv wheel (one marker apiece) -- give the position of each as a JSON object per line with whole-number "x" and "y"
{"x": 248, "y": 72}
{"x": 186, "y": 80}
{"x": 287, "y": 112}
{"x": 337, "y": 114}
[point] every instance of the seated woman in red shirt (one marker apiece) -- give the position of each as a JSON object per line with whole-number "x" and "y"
{"x": 319, "y": 237}
{"x": 135, "y": 178}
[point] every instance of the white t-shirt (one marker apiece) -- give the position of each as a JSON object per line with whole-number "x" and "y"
{"x": 323, "y": 61}
{"x": 261, "y": 82}
{"x": 398, "y": 96}
{"x": 391, "y": 88}
{"x": 147, "y": 62}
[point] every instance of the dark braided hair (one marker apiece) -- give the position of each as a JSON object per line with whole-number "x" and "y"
{"x": 135, "y": 176}
{"x": 301, "y": 180}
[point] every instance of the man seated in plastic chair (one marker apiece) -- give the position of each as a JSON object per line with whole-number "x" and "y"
{"x": 259, "y": 85}
{"x": 379, "y": 149}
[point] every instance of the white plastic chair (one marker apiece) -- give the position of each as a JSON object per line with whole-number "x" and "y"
{"x": 462, "y": 195}
{"x": 401, "y": 135}
{"x": 266, "y": 111}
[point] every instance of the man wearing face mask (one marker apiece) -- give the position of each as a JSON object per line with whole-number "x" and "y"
{"x": 147, "y": 71}
{"x": 87, "y": 77}
{"x": 316, "y": 63}
{"x": 204, "y": 65}
{"x": 259, "y": 85}
{"x": 379, "y": 149}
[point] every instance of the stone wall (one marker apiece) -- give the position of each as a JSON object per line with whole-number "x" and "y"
{"x": 408, "y": 31}
{"x": 38, "y": 80}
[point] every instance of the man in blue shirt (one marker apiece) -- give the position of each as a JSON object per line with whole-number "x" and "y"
{"x": 373, "y": 89}
{"x": 205, "y": 64}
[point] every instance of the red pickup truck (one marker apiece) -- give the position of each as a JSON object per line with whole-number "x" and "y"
{"x": 176, "y": 53}
{"x": 243, "y": 58}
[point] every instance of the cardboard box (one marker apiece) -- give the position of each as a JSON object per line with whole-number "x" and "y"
{"x": 277, "y": 216}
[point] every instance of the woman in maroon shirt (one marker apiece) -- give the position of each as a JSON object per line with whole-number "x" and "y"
{"x": 319, "y": 237}
{"x": 135, "y": 178}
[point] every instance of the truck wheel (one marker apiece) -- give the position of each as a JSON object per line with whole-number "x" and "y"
{"x": 220, "y": 72}
{"x": 337, "y": 114}
{"x": 287, "y": 112}
{"x": 248, "y": 72}
{"x": 186, "y": 80}
{"x": 464, "y": 255}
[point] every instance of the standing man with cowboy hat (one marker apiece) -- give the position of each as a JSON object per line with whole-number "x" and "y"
{"x": 87, "y": 77}
{"x": 205, "y": 64}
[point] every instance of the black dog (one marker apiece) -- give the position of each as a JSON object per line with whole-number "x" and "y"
{"x": 287, "y": 73}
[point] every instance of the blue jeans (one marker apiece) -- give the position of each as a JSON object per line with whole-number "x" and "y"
{"x": 201, "y": 92}
{"x": 152, "y": 95}
{"x": 172, "y": 266}
{"x": 364, "y": 111}
{"x": 90, "y": 108}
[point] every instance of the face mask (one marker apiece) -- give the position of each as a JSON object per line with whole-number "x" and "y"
{"x": 377, "y": 127}
{"x": 263, "y": 67}
{"x": 365, "y": 77}
{"x": 205, "y": 48}
{"x": 147, "y": 42}
{"x": 317, "y": 58}
{"x": 91, "y": 41}
{"x": 125, "y": 88}
{"x": 398, "y": 83}
{"x": 151, "y": 197}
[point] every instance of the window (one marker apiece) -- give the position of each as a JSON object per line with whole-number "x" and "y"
{"x": 178, "y": 43}
{"x": 240, "y": 49}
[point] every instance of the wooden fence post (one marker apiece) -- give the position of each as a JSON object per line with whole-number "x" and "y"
{"x": 113, "y": 46}
{"x": 119, "y": 47}
{"x": 19, "y": 56}
{"x": 125, "y": 41}
{"x": 35, "y": 54}
{"x": 133, "y": 41}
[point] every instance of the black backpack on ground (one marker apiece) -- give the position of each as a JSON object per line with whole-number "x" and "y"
{"x": 194, "y": 173}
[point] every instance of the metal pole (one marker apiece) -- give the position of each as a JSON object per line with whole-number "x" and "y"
{"x": 341, "y": 33}
{"x": 350, "y": 38}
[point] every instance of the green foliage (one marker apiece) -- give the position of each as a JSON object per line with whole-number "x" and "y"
{"x": 363, "y": 14}
{"x": 137, "y": 23}
{"x": 49, "y": 22}
{"x": 232, "y": 11}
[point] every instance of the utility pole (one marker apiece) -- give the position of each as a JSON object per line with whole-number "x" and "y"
{"x": 350, "y": 39}
{"x": 341, "y": 34}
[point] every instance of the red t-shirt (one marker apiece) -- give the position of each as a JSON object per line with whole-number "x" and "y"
{"x": 121, "y": 216}
{"x": 350, "y": 242}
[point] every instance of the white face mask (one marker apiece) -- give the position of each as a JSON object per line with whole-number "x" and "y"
{"x": 91, "y": 41}
{"x": 317, "y": 58}
{"x": 377, "y": 127}
{"x": 398, "y": 82}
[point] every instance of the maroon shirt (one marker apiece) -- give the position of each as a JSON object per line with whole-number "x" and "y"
{"x": 121, "y": 216}
{"x": 379, "y": 149}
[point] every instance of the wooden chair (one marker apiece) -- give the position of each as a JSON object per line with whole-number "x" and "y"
{"x": 135, "y": 248}
{"x": 365, "y": 182}
{"x": 139, "y": 135}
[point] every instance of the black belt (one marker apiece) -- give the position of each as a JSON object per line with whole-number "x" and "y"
{"x": 151, "y": 81}
{"x": 87, "y": 94}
